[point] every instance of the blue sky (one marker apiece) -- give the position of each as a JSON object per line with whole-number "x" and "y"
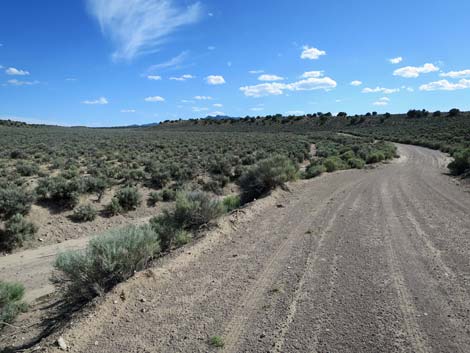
{"x": 120, "y": 62}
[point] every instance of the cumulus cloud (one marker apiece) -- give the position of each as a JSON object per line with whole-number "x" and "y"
{"x": 218, "y": 105}
{"x": 270, "y": 78}
{"x": 415, "y": 71}
{"x": 99, "y": 101}
{"x": 141, "y": 26}
{"x": 256, "y": 72}
{"x": 380, "y": 90}
{"x": 456, "y": 74}
{"x": 356, "y": 83}
{"x": 310, "y": 74}
{"x": 257, "y": 109}
{"x": 396, "y": 60}
{"x": 203, "y": 98}
{"x": 444, "y": 85}
{"x": 182, "y": 78}
{"x": 16, "y": 72}
{"x": 154, "y": 99}
{"x": 275, "y": 88}
{"x": 154, "y": 77}
{"x": 215, "y": 80}
{"x": 311, "y": 53}
{"x": 217, "y": 113}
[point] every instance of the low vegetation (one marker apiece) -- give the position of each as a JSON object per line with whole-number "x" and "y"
{"x": 108, "y": 260}
{"x": 11, "y": 304}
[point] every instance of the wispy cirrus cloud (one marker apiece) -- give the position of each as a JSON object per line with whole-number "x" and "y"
{"x": 173, "y": 62}
{"x": 141, "y": 26}
{"x": 16, "y": 82}
{"x": 182, "y": 77}
{"x": 153, "y": 99}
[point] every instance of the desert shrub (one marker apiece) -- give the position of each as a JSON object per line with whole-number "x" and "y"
{"x": 182, "y": 237}
{"x": 108, "y": 260}
{"x": 160, "y": 178}
{"x": 168, "y": 195}
{"x": 60, "y": 190}
{"x": 128, "y": 198}
{"x": 14, "y": 200}
{"x": 313, "y": 170}
{"x": 17, "y": 231}
{"x": 334, "y": 163}
{"x": 196, "y": 208}
{"x": 113, "y": 208}
{"x": 27, "y": 168}
{"x": 11, "y": 295}
{"x": 375, "y": 157}
{"x": 231, "y": 202}
{"x": 265, "y": 176}
{"x": 461, "y": 162}
{"x": 95, "y": 185}
{"x": 356, "y": 163}
{"x": 84, "y": 213}
{"x": 192, "y": 210}
{"x": 153, "y": 198}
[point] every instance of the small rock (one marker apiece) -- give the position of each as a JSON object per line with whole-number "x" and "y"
{"x": 96, "y": 343}
{"x": 41, "y": 240}
{"x": 143, "y": 300}
{"x": 61, "y": 343}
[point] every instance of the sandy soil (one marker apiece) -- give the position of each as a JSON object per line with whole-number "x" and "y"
{"x": 357, "y": 261}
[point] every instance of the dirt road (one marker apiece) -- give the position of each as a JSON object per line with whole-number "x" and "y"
{"x": 357, "y": 261}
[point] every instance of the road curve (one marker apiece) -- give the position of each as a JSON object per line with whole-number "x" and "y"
{"x": 356, "y": 261}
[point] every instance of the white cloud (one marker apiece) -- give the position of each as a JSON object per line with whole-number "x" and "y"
{"x": 187, "y": 101}
{"x": 456, "y": 74}
{"x": 16, "y": 72}
{"x": 415, "y": 71}
{"x": 15, "y": 82}
{"x": 311, "y": 53}
{"x": 256, "y": 72}
{"x": 264, "y": 89}
{"x": 154, "y": 77}
{"x": 141, "y": 26}
{"x": 99, "y": 101}
{"x": 275, "y": 88}
{"x": 199, "y": 109}
{"x": 380, "y": 90}
{"x": 182, "y": 78}
{"x": 203, "y": 98}
{"x": 382, "y": 101}
{"x": 396, "y": 60}
{"x": 356, "y": 83}
{"x": 444, "y": 85}
{"x": 128, "y": 111}
{"x": 310, "y": 74}
{"x": 215, "y": 80}
{"x": 295, "y": 112}
{"x": 175, "y": 61}
{"x": 216, "y": 113}
{"x": 218, "y": 105}
{"x": 267, "y": 77}
{"x": 154, "y": 99}
{"x": 257, "y": 109}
